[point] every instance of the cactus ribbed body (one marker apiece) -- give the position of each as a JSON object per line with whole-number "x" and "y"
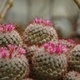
{"x": 74, "y": 58}
{"x": 13, "y": 64}
{"x": 47, "y": 66}
{"x": 31, "y": 51}
{"x": 13, "y": 69}
{"x": 72, "y": 75}
{"x": 8, "y": 35}
{"x": 12, "y": 37}
{"x": 38, "y": 34}
{"x": 69, "y": 43}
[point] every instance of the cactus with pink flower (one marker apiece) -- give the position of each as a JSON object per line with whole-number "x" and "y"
{"x": 8, "y": 35}
{"x": 39, "y": 32}
{"x": 13, "y": 63}
{"x": 50, "y": 62}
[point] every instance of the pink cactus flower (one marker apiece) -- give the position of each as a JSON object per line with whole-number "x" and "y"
{"x": 21, "y": 51}
{"x": 36, "y": 20}
{"x": 48, "y": 23}
{"x": 2, "y": 49}
{"x": 7, "y": 27}
{"x": 10, "y": 27}
{"x": 12, "y": 47}
{"x": 46, "y": 45}
{"x": 4, "y": 29}
{"x": 55, "y": 48}
{"x": 45, "y": 22}
{"x": 4, "y": 54}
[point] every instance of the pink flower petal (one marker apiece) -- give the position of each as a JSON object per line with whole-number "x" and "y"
{"x": 10, "y": 27}
{"x": 12, "y": 47}
{"x": 4, "y": 54}
{"x": 21, "y": 51}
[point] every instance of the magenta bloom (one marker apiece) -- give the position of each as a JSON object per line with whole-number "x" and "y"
{"x": 42, "y": 21}
{"x": 57, "y": 48}
{"x": 21, "y": 51}
{"x": 7, "y": 27}
{"x": 12, "y": 47}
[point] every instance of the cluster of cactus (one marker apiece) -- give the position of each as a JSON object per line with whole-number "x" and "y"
{"x": 50, "y": 58}
{"x": 13, "y": 63}
{"x": 39, "y": 32}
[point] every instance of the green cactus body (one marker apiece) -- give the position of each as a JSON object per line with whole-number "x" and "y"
{"x": 46, "y": 66}
{"x": 10, "y": 37}
{"x": 74, "y": 58}
{"x": 13, "y": 64}
{"x": 31, "y": 51}
{"x": 72, "y": 75}
{"x": 39, "y": 33}
{"x": 13, "y": 69}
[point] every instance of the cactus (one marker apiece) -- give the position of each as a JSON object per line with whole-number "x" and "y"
{"x": 13, "y": 64}
{"x": 31, "y": 51}
{"x": 9, "y": 36}
{"x": 39, "y": 32}
{"x": 69, "y": 43}
{"x": 72, "y": 75}
{"x": 50, "y": 62}
{"x": 74, "y": 58}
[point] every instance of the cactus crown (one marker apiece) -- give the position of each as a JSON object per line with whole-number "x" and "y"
{"x": 7, "y": 27}
{"x": 56, "y": 48}
{"x": 11, "y": 51}
{"x": 42, "y": 21}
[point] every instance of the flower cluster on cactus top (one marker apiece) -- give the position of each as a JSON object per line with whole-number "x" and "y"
{"x": 7, "y": 27}
{"x": 55, "y": 48}
{"x": 11, "y": 51}
{"x": 42, "y": 21}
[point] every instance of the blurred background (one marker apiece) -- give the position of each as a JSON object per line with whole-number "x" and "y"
{"x": 64, "y": 14}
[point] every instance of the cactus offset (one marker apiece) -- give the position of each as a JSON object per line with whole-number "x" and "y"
{"x": 74, "y": 58}
{"x": 39, "y": 32}
{"x": 72, "y": 75}
{"x": 13, "y": 64}
{"x": 50, "y": 62}
{"x": 9, "y": 36}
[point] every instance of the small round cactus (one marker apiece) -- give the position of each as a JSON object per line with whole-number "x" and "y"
{"x": 39, "y": 32}
{"x": 13, "y": 63}
{"x": 8, "y": 35}
{"x": 74, "y": 58}
{"x": 50, "y": 62}
{"x": 72, "y": 75}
